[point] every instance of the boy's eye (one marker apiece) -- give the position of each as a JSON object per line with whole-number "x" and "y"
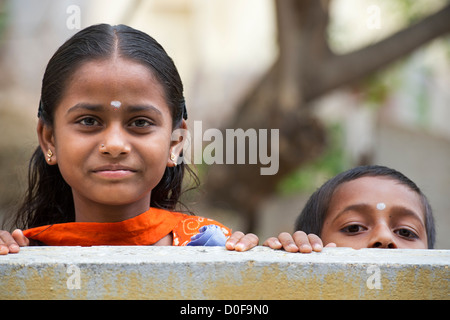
{"x": 89, "y": 121}
{"x": 354, "y": 228}
{"x": 405, "y": 233}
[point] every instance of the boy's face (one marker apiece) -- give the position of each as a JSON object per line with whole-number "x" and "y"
{"x": 375, "y": 212}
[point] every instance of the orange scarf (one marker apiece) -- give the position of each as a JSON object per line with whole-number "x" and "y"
{"x": 144, "y": 229}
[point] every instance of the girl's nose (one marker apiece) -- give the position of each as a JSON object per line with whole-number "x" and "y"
{"x": 115, "y": 143}
{"x": 382, "y": 237}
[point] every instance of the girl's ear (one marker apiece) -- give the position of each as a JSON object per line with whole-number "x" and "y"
{"x": 179, "y": 137}
{"x": 47, "y": 142}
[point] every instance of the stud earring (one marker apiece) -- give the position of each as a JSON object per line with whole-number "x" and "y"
{"x": 173, "y": 158}
{"x": 49, "y": 155}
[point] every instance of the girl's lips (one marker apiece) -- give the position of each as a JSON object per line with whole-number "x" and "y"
{"x": 114, "y": 171}
{"x": 114, "y": 174}
{"x": 113, "y": 167}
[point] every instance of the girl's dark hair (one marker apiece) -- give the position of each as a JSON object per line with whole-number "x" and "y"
{"x": 49, "y": 198}
{"x": 312, "y": 217}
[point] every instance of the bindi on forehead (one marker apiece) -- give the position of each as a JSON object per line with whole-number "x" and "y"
{"x": 381, "y": 206}
{"x": 116, "y": 104}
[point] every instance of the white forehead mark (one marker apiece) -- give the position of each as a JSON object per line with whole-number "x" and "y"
{"x": 381, "y": 206}
{"x": 116, "y": 104}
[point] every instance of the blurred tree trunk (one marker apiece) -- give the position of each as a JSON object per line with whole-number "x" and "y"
{"x": 305, "y": 69}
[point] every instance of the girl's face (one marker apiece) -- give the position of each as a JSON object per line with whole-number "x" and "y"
{"x": 375, "y": 212}
{"x": 111, "y": 138}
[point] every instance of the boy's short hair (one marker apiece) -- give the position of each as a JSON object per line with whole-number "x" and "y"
{"x": 312, "y": 217}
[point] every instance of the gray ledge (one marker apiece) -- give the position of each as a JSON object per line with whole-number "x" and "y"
{"x": 138, "y": 272}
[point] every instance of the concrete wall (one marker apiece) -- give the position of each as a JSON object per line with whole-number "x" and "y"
{"x": 214, "y": 273}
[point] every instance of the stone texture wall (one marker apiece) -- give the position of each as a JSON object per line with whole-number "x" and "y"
{"x": 215, "y": 273}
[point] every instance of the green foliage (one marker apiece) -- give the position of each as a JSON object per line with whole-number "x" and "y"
{"x": 3, "y": 18}
{"x": 310, "y": 176}
{"x": 413, "y": 11}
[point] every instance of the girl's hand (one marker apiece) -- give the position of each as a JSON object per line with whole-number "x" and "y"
{"x": 298, "y": 242}
{"x": 242, "y": 242}
{"x": 10, "y": 243}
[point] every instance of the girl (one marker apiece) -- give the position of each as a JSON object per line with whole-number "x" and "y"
{"x": 364, "y": 207}
{"x": 108, "y": 171}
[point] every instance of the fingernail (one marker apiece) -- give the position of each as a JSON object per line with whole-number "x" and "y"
{"x": 305, "y": 247}
{"x": 239, "y": 247}
{"x": 317, "y": 247}
{"x": 229, "y": 245}
{"x": 291, "y": 248}
{"x": 14, "y": 247}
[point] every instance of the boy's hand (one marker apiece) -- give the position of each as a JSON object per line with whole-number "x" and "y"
{"x": 298, "y": 242}
{"x": 242, "y": 242}
{"x": 10, "y": 243}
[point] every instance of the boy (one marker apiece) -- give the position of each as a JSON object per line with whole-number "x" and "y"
{"x": 364, "y": 207}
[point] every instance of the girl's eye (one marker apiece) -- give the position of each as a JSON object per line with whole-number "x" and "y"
{"x": 141, "y": 123}
{"x": 89, "y": 121}
{"x": 353, "y": 228}
{"x": 405, "y": 233}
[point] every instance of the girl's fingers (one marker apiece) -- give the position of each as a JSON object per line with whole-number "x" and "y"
{"x": 247, "y": 242}
{"x": 20, "y": 238}
{"x": 241, "y": 242}
{"x": 7, "y": 243}
{"x": 233, "y": 240}
{"x": 3, "y": 247}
